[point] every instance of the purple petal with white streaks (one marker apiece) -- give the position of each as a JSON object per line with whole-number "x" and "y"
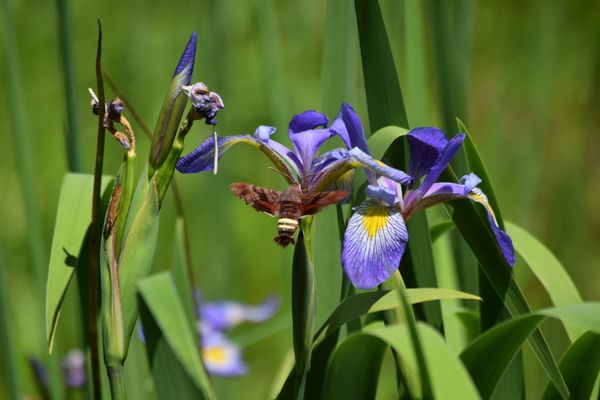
{"x": 374, "y": 243}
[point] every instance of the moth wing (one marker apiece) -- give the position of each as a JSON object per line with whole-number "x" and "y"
{"x": 315, "y": 202}
{"x": 261, "y": 199}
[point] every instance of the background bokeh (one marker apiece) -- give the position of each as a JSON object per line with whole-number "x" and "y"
{"x": 528, "y": 85}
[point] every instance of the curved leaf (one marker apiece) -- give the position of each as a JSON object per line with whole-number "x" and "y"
{"x": 448, "y": 377}
{"x": 137, "y": 255}
{"x": 365, "y": 303}
{"x": 499, "y": 345}
{"x": 72, "y": 221}
{"x": 474, "y": 228}
{"x": 167, "y": 315}
{"x": 353, "y": 370}
{"x": 381, "y": 140}
{"x": 548, "y": 270}
{"x": 579, "y": 366}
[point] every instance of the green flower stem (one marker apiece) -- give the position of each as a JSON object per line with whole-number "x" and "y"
{"x": 165, "y": 174}
{"x": 96, "y": 231}
{"x": 117, "y": 385}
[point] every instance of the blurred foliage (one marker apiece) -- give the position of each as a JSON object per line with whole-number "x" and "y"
{"x": 532, "y": 87}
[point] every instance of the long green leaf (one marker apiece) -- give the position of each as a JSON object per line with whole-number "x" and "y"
{"x": 477, "y": 166}
{"x": 356, "y": 306}
{"x": 137, "y": 255}
{"x": 500, "y": 344}
{"x": 181, "y": 271}
{"x": 386, "y": 107}
{"x": 365, "y": 303}
{"x": 72, "y": 220}
{"x": 163, "y": 316}
{"x": 579, "y": 366}
{"x": 384, "y": 97}
{"x": 380, "y": 141}
{"x": 548, "y": 270}
{"x": 303, "y": 308}
{"x": 474, "y": 228}
{"x": 339, "y": 55}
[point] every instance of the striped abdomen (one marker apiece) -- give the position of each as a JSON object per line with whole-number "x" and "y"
{"x": 286, "y": 228}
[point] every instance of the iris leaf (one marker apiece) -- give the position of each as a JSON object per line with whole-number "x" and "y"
{"x": 181, "y": 271}
{"x": 173, "y": 350}
{"x": 353, "y": 371}
{"x": 365, "y": 303}
{"x": 72, "y": 221}
{"x": 303, "y": 306}
{"x": 473, "y": 226}
{"x": 579, "y": 366}
{"x": 500, "y": 344}
{"x": 381, "y": 140}
{"x": 548, "y": 270}
{"x": 138, "y": 252}
{"x": 452, "y": 381}
{"x": 386, "y": 107}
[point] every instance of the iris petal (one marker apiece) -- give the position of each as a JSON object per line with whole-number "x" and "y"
{"x": 445, "y": 191}
{"x": 307, "y": 120}
{"x": 379, "y": 167}
{"x": 440, "y": 164}
{"x": 426, "y": 144}
{"x": 202, "y": 157}
{"x": 349, "y": 127}
{"x": 504, "y": 241}
{"x": 307, "y": 143}
{"x": 374, "y": 243}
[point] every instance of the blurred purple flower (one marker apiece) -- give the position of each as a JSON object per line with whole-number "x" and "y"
{"x": 376, "y": 235}
{"x": 73, "y": 368}
{"x": 221, "y": 356}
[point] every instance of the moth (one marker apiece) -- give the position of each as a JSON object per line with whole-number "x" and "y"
{"x": 289, "y": 206}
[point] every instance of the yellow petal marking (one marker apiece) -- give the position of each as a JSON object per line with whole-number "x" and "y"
{"x": 214, "y": 355}
{"x": 478, "y": 198}
{"x": 375, "y": 219}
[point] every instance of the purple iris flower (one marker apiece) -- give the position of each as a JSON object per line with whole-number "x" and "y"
{"x": 376, "y": 235}
{"x": 301, "y": 165}
{"x": 73, "y": 367}
{"x": 221, "y": 356}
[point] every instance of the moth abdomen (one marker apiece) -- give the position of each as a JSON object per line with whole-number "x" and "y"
{"x": 286, "y": 228}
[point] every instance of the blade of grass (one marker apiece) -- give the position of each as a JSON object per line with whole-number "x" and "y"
{"x": 172, "y": 349}
{"x": 579, "y": 365}
{"x": 548, "y": 270}
{"x": 96, "y": 229}
{"x": 69, "y": 79}
{"x": 271, "y": 67}
{"x": 19, "y": 133}
{"x": 339, "y": 55}
{"x": 414, "y": 62}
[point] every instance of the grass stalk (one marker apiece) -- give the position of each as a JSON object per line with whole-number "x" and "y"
{"x": 68, "y": 68}
{"x": 96, "y": 227}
